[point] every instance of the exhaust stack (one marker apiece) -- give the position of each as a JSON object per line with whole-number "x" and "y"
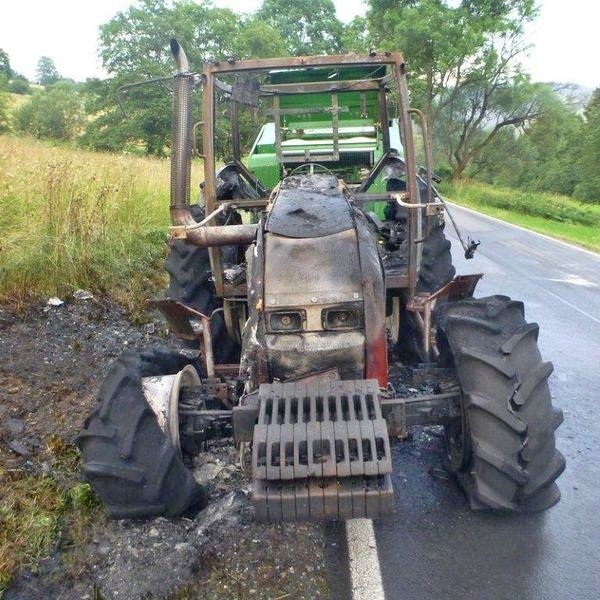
{"x": 181, "y": 166}
{"x": 181, "y": 149}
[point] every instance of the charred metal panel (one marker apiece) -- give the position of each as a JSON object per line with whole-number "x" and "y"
{"x": 253, "y": 361}
{"x": 294, "y": 355}
{"x": 316, "y": 296}
{"x": 317, "y": 271}
{"x": 374, "y": 302}
{"x": 300, "y": 275}
{"x": 309, "y": 206}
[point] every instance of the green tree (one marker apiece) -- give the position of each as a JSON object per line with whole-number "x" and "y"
{"x": 258, "y": 39}
{"x": 588, "y": 187}
{"x": 46, "y": 72}
{"x": 134, "y": 46}
{"x": 140, "y": 123}
{"x": 464, "y": 61}
{"x": 136, "y": 41}
{"x": 5, "y": 64}
{"x": 555, "y": 138}
{"x": 505, "y": 161}
{"x": 356, "y": 38}
{"x": 476, "y": 113}
{"x": 307, "y": 26}
{"x": 55, "y": 112}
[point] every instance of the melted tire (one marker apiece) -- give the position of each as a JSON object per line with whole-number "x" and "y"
{"x": 127, "y": 459}
{"x": 510, "y": 462}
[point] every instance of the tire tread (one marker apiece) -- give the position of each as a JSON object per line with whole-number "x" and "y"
{"x": 135, "y": 471}
{"x": 513, "y": 462}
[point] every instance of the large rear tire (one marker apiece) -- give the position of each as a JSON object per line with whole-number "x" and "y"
{"x": 435, "y": 272}
{"x": 127, "y": 459}
{"x": 436, "y": 264}
{"x": 502, "y": 450}
{"x": 190, "y": 283}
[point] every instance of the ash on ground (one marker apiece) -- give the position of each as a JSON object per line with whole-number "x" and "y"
{"x": 54, "y": 358}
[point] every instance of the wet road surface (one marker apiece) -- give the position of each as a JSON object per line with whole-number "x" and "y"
{"x": 435, "y": 547}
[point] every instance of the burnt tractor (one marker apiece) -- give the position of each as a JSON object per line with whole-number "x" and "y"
{"x": 313, "y": 264}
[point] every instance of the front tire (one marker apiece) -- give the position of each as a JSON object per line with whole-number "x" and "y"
{"x": 503, "y": 450}
{"x": 127, "y": 459}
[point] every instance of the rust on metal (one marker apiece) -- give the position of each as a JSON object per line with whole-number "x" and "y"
{"x": 180, "y": 317}
{"x": 223, "y": 235}
{"x": 423, "y": 305}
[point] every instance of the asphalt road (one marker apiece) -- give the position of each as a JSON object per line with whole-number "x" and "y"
{"x": 435, "y": 547}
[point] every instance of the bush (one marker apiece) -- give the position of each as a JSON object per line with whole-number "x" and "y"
{"x": 53, "y": 113}
{"x": 20, "y": 86}
{"x": 547, "y": 206}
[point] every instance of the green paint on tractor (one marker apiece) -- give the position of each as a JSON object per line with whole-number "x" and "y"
{"x": 341, "y": 131}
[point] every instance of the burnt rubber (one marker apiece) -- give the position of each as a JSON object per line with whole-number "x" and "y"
{"x": 436, "y": 263}
{"x": 435, "y": 272}
{"x": 127, "y": 459}
{"x": 190, "y": 283}
{"x": 504, "y": 455}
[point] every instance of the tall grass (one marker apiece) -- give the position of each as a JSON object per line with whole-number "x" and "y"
{"x": 72, "y": 219}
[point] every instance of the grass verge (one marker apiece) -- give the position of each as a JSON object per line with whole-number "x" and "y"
{"x": 42, "y": 512}
{"x": 556, "y": 216}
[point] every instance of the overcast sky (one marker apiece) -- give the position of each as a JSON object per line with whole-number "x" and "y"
{"x": 565, "y": 36}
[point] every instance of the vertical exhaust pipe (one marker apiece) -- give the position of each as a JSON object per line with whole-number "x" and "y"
{"x": 181, "y": 139}
{"x": 181, "y": 167}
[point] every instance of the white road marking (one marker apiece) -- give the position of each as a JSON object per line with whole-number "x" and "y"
{"x": 585, "y": 314}
{"x": 576, "y": 280}
{"x": 365, "y": 573}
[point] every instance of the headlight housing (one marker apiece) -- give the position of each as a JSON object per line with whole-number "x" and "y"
{"x": 341, "y": 318}
{"x": 286, "y": 321}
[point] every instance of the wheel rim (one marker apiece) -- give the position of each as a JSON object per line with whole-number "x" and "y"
{"x": 162, "y": 394}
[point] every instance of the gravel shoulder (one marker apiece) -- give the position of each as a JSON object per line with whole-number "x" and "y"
{"x": 53, "y": 358}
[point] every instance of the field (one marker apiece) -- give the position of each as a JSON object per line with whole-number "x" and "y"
{"x": 75, "y": 220}
{"x": 79, "y": 220}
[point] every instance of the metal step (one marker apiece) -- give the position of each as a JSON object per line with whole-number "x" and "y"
{"x": 321, "y": 451}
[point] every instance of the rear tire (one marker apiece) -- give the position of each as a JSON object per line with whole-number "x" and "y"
{"x": 503, "y": 450}
{"x": 190, "y": 283}
{"x": 436, "y": 264}
{"x": 127, "y": 459}
{"x": 435, "y": 272}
